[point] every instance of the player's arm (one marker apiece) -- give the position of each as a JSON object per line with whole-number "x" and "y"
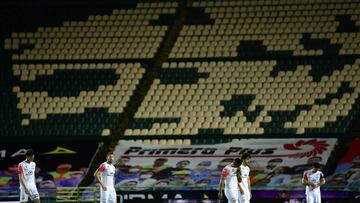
{"x": 305, "y": 180}
{"x": 224, "y": 173}
{"x": 249, "y": 185}
{"x": 97, "y": 177}
{"x": 34, "y": 176}
{"x": 221, "y": 186}
{"x": 238, "y": 176}
{"x": 22, "y": 179}
{"x": 322, "y": 180}
{"x": 114, "y": 177}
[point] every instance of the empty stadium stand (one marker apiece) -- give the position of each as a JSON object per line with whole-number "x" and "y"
{"x": 171, "y": 72}
{"x": 256, "y": 67}
{"x": 235, "y": 68}
{"x": 124, "y": 34}
{"x": 74, "y": 79}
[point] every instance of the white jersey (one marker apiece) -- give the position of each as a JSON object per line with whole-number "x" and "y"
{"x": 229, "y": 174}
{"x": 107, "y": 172}
{"x": 28, "y": 172}
{"x": 244, "y": 173}
{"x": 314, "y": 178}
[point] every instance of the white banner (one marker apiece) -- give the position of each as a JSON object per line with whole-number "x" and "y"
{"x": 291, "y": 151}
{"x": 275, "y": 163}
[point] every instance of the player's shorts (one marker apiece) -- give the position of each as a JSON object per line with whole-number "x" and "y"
{"x": 244, "y": 198}
{"x": 232, "y": 196}
{"x": 313, "y": 197}
{"x": 108, "y": 196}
{"x": 33, "y": 194}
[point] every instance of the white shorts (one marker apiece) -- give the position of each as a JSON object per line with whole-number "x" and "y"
{"x": 244, "y": 198}
{"x": 232, "y": 196}
{"x": 108, "y": 196}
{"x": 34, "y": 194}
{"x": 313, "y": 197}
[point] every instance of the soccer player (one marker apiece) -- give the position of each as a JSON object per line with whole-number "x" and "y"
{"x": 26, "y": 170}
{"x": 230, "y": 179}
{"x": 313, "y": 179}
{"x": 105, "y": 176}
{"x": 244, "y": 182}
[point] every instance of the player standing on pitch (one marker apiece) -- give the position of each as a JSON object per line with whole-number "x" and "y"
{"x": 244, "y": 184}
{"x": 230, "y": 179}
{"x": 105, "y": 176}
{"x": 313, "y": 179}
{"x": 26, "y": 170}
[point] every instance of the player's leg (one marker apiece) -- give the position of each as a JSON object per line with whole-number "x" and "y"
{"x": 112, "y": 195}
{"x": 232, "y": 196}
{"x": 104, "y": 195}
{"x": 244, "y": 198}
{"x": 310, "y": 197}
{"x": 23, "y": 196}
{"x": 317, "y": 198}
{"x": 34, "y": 195}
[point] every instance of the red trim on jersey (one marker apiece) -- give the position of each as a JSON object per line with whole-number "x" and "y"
{"x": 305, "y": 177}
{"x": 20, "y": 170}
{"x": 102, "y": 167}
{"x": 225, "y": 172}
